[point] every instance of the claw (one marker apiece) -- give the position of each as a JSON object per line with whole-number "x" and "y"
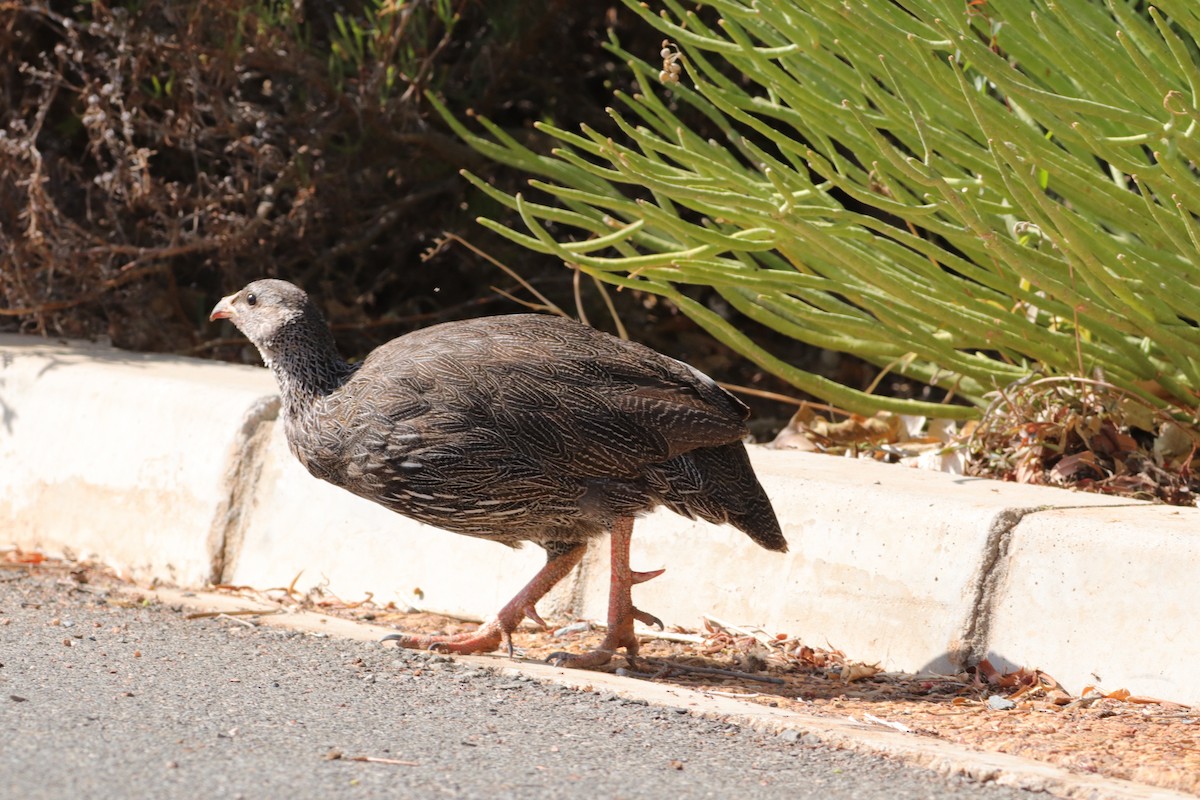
{"x": 642, "y": 577}
{"x": 532, "y": 614}
{"x": 404, "y": 640}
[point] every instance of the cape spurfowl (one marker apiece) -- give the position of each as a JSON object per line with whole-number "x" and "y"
{"x": 522, "y": 428}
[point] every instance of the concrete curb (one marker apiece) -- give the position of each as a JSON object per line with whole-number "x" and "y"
{"x": 175, "y": 469}
{"x": 136, "y": 458}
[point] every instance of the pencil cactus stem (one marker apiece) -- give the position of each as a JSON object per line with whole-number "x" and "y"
{"x": 963, "y": 197}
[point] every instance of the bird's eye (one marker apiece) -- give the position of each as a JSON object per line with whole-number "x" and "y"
{"x": 251, "y": 299}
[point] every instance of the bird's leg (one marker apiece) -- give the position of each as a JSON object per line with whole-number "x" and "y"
{"x": 498, "y": 629}
{"x": 621, "y": 611}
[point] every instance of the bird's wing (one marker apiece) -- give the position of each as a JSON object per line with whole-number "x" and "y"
{"x": 557, "y": 393}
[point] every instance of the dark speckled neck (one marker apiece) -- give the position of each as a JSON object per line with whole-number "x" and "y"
{"x": 305, "y": 361}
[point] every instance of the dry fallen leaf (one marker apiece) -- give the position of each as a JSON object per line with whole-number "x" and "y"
{"x": 856, "y": 671}
{"x": 19, "y": 556}
{"x": 1070, "y": 469}
{"x": 1173, "y": 444}
{"x": 1085, "y": 434}
{"x": 808, "y": 431}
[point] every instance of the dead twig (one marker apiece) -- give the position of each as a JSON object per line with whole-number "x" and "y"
{"x": 244, "y": 612}
{"x": 737, "y": 695}
{"x": 336, "y": 755}
{"x": 375, "y": 760}
{"x": 547, "y": 304}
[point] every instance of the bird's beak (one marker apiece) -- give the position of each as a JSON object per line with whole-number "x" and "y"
{"x": 223, "y": 309}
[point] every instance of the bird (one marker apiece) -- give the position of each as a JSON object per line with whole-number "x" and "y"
{"x": 514, "y": 428}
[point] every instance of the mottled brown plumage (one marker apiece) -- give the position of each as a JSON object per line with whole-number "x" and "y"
{"x": 514, "y": 428}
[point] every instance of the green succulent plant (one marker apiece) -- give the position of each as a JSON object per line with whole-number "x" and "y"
{"x": 961, "y": 192}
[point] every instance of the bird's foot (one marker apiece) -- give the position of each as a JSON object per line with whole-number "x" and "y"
{"x": 484, "y": 639}
{"x": 487, "y": 637}
{"x": 618, "y": 636}
{"x": 498, "y": 630}
{"x": 592, "y": 658}
{"x": 621, "y": 611}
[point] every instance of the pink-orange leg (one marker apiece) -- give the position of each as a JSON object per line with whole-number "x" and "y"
{"x": 498, "y": 629}
{"x": 621, "y": 611}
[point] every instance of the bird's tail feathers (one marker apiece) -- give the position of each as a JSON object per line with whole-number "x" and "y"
{"x": 718, "y": 484}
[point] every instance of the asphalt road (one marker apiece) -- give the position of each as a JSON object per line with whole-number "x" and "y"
{"x": 103, "y": 701}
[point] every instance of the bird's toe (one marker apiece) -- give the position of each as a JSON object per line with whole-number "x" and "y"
{"x": 484, "y": 639}
{"x": 647, "y": 618}
{"x": 588, "y": 660}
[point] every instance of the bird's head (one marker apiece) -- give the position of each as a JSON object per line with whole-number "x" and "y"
{"x": 270, "y": 313}
{"x": 263, "y": 308}
{"x": 292, "y": 337}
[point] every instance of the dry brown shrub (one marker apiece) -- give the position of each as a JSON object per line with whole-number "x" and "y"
{"x": 154, "y": 155}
